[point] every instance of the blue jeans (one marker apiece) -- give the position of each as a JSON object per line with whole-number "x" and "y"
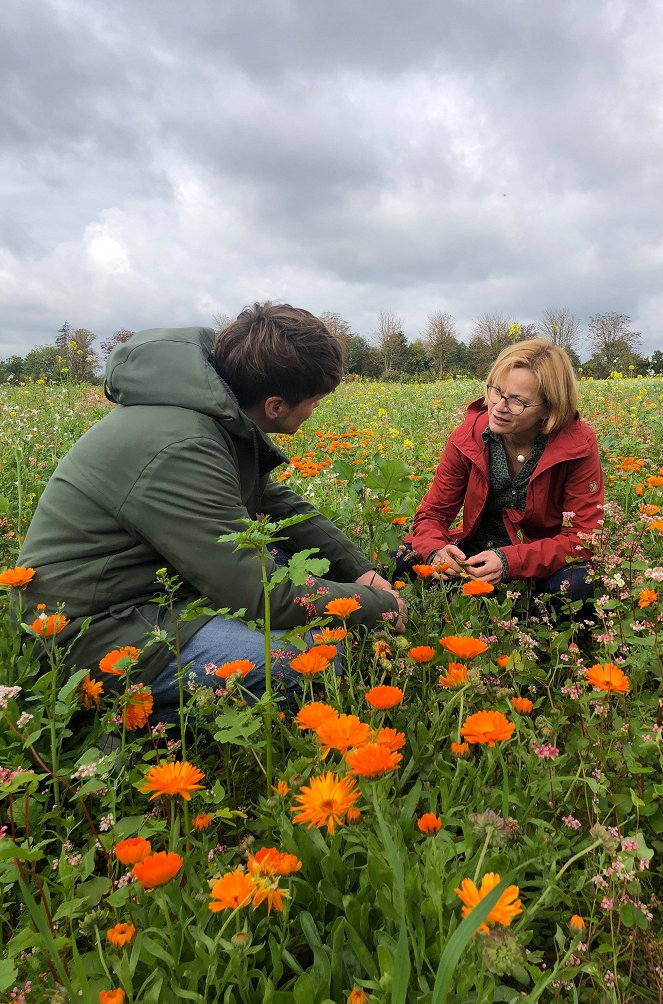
{"x": 222, "y": 640}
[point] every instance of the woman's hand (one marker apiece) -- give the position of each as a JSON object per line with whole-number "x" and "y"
{"x": 448, "y": 555}
{"x": 485, "y": 565}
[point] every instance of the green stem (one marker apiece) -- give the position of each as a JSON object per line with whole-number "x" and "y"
{"x": 489, "y": 832}
{"x": 267, "y": 713}
{"x": 532, "y": 910}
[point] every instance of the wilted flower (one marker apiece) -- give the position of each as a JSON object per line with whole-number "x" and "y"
{"x": 91, "y": 691}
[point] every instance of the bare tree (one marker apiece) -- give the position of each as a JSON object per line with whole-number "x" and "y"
{"x": 441, "y": 340}
{"x": 392, "y": 343}
{"x": 221, "y": 321}
{"x": 117, "y": 338}
{"x": 341, "y": 330}
{"x": 611, "y": 341}
{"x": 560, "y": 326}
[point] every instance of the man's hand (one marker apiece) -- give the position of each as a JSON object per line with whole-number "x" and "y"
{"x": 372, "y": 578}
{"x": 485, "y": 565}
{"x": 401, "y": 623}
{"x": 449, "y": 555}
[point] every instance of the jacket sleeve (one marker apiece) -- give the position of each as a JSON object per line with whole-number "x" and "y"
{"x": 187, "y": 497}
{"x": 442, "y": 502}
{"x": 583, "y": 494}
{"x": 346, "y": 561}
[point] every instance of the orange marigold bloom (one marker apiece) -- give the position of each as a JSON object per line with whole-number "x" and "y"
{"x": 328, "y": 634}
{"x": 390, "y": 738}
{"x": 313, "y": 714}
{"x": 157, "y": 869}
{"x": 138, "y": 707}
{"x": 372, "y": 760}
{"x": 421, "y": 654}
{"x": 109, "y": 662}
{"x": 325, "y": 801}
{"x": 424, "y": 571}
{"x": 241, "y": 666}
{"x": 656, "y": 524}
{"x": 270, "y": 861}
{"x": 646, "y": 597}
{"x": 49, "y": 626}
{"x": 460, "y": 749}
{"x": 112, "y": 996}
{"x": 342, "y": 607}
{"x": 502, "y": 661}
{"x": 523, "y": 705}
{"x": 357, "y": 996}
{"x": 463, "y": 646}
{"x": 202, "y": 822}
{"x": 269, "y": 889}
{"x": 608, "y": 677}
{"x": 507, "y": 907}
{"x": 173, "y": 779}
{"x": 311, "y": 662}
{"x": 645, "y": 510}
{"x": 477, "y": 587}
{"x": 17, "y": 578}
{"x": 132, "y": 850}
{"x": 487, "y": 727}
{"x": 232, "y": 891}
{"x": 429, "y": 823}
{"x": 577, "y": 923}
{"x": 384, "y": 697}
{"x": 91, "y": 691}
{"x": 399, "y": 584}
{"x": 281, "y": 788}
{"x": 353, "y": 815}
{"x": 343, "y": 733}
{"x": 455, "y": 676}
{"x": 329, "y": 651}
{"x": 121, "y": 934}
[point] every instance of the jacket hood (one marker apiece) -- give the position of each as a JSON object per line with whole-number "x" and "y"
{"x": 174, "y": 367}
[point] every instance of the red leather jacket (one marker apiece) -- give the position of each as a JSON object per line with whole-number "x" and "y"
{"x": 567, "y": 479}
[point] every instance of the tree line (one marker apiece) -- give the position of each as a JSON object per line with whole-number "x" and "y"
{"x": 437, "y": 353}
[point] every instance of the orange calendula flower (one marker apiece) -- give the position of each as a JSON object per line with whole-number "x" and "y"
{"x": 112, "y": 996}
{"x": 17, "y": 578}
{"x": 343, "y": 733}
{"x": 173, "y": 779}
{"x": 329, "y": 651}
{"x": 399, "y": 520}
{"x": 121, "y": 934}
{"x": 357, "y": 996}
{"x": 325, "y": 801}
{"x": 421, "y": 654}
{"x": 646, "y": 597}
{"x": 384, "y": 697}
{"x": 313, "y": 714}
{"x": 311, "y": 662}
{"x": 328, "y": 634}
{"x": 507, "y": 907}
{"x": 656, "y": 524}
{"x": 460, "y": 749}
{"x": 138, "y": 707}
{"x": 202, "y": 822}
{"x": 429, "y": 823}
{"x": 241, "y": 667}
{"x": 608, "y": 677}
{"x": 281, "y": 788}
{"x": 487, "y": 727}
{"x": 91, "y": 691}
{"x": 455, "y": 676}
{"x": 577, "y": 923}
{"x": 270, "y": 861}
{"x": 372, "y": 760}
{"x": 523, "y": 705}
{"x": 232, "y": 891}
{"x": 132, "y": 850}
{"x": 502, "y": 661}
{"x": 157, "y": 869}
{"x": 268, "y": 890}
{"x": 126, "y": 655}
{"x": 390, "y": 738}
{"x": 342, "y": 607}
{"x": 424, "y": 571}
{"x": 477, "y": 587}
{"x": 463, "y": 646}
{"x": 353, "y": 815}
{"x": 49, "y": 626}
{"x": 399, "y": 584}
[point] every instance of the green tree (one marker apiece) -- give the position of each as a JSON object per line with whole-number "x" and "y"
{"x": 12, "y": 369}
{"x": 41, "y": 363}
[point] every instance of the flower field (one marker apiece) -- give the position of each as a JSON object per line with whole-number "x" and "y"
{"x": 472, "y": 813}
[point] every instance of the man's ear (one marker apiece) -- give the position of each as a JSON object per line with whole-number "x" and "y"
{"x": 273, "y": 407}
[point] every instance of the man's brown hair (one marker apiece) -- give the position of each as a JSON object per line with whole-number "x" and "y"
{"x": 275, "y": 350}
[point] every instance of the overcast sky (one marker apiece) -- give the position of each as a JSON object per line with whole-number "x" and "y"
{"x": 163, "y": 161}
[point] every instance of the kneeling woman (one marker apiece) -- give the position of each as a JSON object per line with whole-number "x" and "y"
{"x": 526, "y": 470}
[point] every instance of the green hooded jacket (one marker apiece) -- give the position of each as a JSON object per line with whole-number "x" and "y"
{"x": 153, "y": 485}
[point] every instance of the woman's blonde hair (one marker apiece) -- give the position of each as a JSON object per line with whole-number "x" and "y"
{"x": 554, "y": 375}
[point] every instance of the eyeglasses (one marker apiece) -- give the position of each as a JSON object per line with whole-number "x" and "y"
{"x": 514, "y": 405}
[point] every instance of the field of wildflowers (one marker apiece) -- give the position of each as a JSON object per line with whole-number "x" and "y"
{"x": 472, "y": 814}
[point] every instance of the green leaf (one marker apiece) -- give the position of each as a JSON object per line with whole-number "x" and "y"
{"x": 72, "y": 684}
{"x": 8, "y": 970}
